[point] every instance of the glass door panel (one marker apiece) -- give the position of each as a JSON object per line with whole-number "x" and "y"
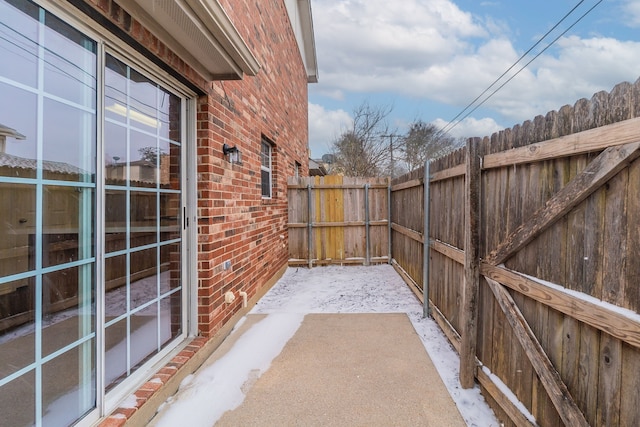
{"x": 143, "y": 235}
{"x": 49, "y": 181}
{"x": 69, "y": 136}
{"x": 47, "y": 206}
{"x": 66, "y": 398}
{"x": 19, "y": 42}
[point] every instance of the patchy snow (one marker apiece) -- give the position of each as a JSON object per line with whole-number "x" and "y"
{"x": 218, "y": 387}
{"x": 130, "y": 402}
{"x": 509, "y": 394}
{"x": 333, "y": 289}
{"x": 630, "y": 314}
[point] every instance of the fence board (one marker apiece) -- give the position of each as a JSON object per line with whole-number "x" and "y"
{"x": 588, "y": 368}
{"x": 592, "y": 140}
{"x": 471, "y": 266}
{"x": 609, "y": 382}
{"x": 551, "y": 380}
{"x": 337, "y": 220}
{"x": 630, "y": 384}
{"x": 631, "y": 297}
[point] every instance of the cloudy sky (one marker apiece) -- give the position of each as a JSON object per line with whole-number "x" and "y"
{"x": 428, "y": 59}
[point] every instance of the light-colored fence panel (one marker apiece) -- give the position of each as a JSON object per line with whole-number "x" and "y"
{"x": 344, "y": 219}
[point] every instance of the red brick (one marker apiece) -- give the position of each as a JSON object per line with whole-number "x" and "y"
{"x": 113, "y": 421}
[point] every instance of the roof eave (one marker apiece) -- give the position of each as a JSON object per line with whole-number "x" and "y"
{"x": 306, "y": 21}
{"x": 201, "y": 33}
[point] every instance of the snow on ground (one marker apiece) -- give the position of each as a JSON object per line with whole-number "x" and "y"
{"x": 375, "y": 289}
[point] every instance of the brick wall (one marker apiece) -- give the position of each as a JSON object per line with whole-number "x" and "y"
{"x": 234, "y": 223}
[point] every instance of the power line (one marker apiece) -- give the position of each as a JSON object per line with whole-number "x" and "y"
{"x": 448, "y": 127}
{"x": 518, "y": 61}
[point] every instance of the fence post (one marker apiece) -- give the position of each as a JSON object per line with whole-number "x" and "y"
{"x": 309, "y": 225}
{"x": 367, "y": 234}
{"x": 426, "y": 245}
{"x": 471, "y": 264}
{"x": 389, "y": 218}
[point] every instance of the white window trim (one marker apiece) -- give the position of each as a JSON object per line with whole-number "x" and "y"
{"x": 269, "y": 169}
{"x": 296, "y": 169}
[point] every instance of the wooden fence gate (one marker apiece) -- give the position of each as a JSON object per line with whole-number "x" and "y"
{"x": 338, "y": 220}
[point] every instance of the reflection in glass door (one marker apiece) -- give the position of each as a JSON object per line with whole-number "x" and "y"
{"x": 143, "y": 152}
{"x": 53, "y": 131}
{"x": 48, "y": 97}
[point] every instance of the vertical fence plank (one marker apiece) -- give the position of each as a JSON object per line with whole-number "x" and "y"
{"x": 630, "y": 398}
{"x": 318, "y": 233}
{"x": 589, "y": 369}
{"x": 615, "y": 241}
{"x": 471, "y": 265}
{"x": 427, "y": 242}
{"x": 631, "y": 295}
{"x": 338, "y": 199}
{"x": 389, "y": 253}
{"x": 309, "y": 225}
{"x": 367, "y": 231}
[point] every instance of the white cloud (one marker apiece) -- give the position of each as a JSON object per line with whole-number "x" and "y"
{"x": 371, "y": 37}
{"x": 580, "y": 68}
{"x": 631, "y": 14}
{"x": 464, "y": 75}
{"x": 335, "y": 94}
{"x": 577, "y": 69}
{"x": 470, "y": 127}
{"x": 324, "y": 127}
{"x": 436, "y": 52}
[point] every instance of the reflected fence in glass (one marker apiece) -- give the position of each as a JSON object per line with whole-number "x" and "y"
{"x": 49, "y": 288}
{"x": 48, "y": 143}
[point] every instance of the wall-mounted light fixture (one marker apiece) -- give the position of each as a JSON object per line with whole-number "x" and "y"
{"x": 233, "y": 154}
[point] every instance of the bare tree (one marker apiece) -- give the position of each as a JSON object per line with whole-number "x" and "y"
{"x": 151, "y": 154}
{"x": 362, "y": 151}
{"x": 424, "y": 141}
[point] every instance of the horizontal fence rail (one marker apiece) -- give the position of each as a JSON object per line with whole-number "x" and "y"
{"x": 338, "y": 220}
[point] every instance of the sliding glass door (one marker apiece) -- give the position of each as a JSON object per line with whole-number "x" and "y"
{"x": 86, "y": 296}
{"x": 48, "y": 98}
{"x": 143, "y": 218}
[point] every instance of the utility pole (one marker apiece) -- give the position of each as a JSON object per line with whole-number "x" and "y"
{"x": 393, "y": 165}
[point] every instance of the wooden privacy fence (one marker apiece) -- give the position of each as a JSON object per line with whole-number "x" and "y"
{"x": 534, "y": 271}
{"x": 525, "y": 247}
{"x": 338, "y": 220}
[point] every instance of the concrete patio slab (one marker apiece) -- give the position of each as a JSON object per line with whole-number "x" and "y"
{"x": 346, "y": 370}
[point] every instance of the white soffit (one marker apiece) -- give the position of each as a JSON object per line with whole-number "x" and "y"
{"x": 200, "y": 32}
{"x": 309, "y": 42}
{"x": 302, "y": 22}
